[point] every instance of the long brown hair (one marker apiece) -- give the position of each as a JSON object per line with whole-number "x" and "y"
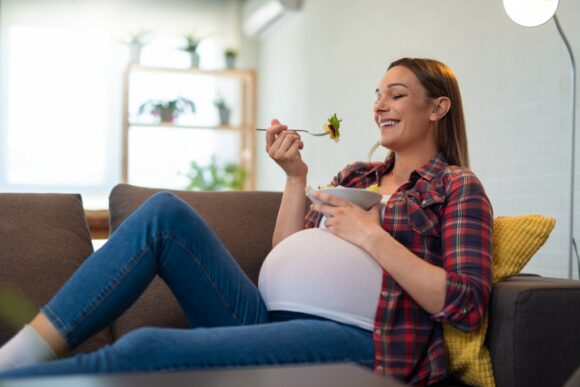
{"x": 440, "y": 81}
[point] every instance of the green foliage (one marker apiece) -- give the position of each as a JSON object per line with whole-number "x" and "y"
{"x": 191, "y": 43}
{"x": 167, "y": 110}
{"x": 231, "y": 52}
{"x": 139, "y": 38}
{"x": 215, "y": 177}
{"x": 220, "y": 102}
{"x": 15, "y": 309}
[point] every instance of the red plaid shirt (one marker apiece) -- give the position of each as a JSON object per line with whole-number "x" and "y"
{"x": 443, "y": 216}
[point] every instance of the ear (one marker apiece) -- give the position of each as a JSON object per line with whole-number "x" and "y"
{"x": 441, "y": 106}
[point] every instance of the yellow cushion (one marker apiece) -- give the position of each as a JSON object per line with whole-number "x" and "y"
{"x": 515, "y": 240}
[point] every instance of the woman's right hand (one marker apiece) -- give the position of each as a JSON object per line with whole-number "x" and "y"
{"x": 284, "y": 146}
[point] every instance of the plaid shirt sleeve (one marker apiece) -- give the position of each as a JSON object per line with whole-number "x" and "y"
{"x": 466, "y": 230}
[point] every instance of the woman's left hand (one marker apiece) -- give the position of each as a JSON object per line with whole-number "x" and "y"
{"x": 347, "y": 220}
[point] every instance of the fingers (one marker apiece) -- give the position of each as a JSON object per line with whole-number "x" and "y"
{"x": 273, "y": 131}
{"x": 286, "y": 145}
{"x": 281, "y": 144}
{"x": 287, "y": 139}
{"x": 333, "y": 205}
{"x": 324, "y": 207}
{"x": 331, "y": 199}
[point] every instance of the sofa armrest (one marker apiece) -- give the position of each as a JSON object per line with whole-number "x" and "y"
{"x": 534, "y": 331}
{"x": 44, "y": 238}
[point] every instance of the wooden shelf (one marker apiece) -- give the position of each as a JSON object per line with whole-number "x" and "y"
{"x": 177, "y": 126}
{"x": 247, "y": 113}
{"x": 234, "y": 73}
{"x": 98, "y": 221}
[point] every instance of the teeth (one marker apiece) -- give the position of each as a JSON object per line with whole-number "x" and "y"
{"x": 389, "y": 123}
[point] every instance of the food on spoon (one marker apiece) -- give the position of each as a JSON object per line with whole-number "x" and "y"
{"x": 374, "y": 188}
{"x": 332, "y": 127}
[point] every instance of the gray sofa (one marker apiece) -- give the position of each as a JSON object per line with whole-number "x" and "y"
{"x": 534, "y": 329}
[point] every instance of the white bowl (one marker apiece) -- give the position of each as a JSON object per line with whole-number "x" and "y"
{"x": 363, "y": 197}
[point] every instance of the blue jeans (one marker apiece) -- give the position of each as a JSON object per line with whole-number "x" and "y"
{"x": 230, "y": 323}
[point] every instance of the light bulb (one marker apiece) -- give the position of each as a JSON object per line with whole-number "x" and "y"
{"x": 530, "y": 13}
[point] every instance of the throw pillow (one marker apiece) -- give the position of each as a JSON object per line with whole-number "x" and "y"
{"x": 515, "y": 240}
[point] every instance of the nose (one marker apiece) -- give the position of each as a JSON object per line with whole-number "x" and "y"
{"x": 381, "y": 105}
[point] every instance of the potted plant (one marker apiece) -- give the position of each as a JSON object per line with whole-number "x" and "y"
{"x": 136, "y": 41}
{"x": 167, "y": 111}
{"x": 230, "y": 55}
{"x": 223, "y": 110}
{"x": 215, "y": 176}
{"x": 191, "y": 45}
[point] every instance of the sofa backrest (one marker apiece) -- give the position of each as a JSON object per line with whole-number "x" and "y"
{"x": 43, "y": 239}
{"x": 244, "y": 222}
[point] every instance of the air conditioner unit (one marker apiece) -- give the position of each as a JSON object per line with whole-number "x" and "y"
{"x": 258, "y": 15}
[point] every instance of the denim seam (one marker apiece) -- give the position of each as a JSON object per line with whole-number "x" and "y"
{"x": 210, "y": 279}
{"x": 107, "y": 290}
{"x": 67, "y": 330}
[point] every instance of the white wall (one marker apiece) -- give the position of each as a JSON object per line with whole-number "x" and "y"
{"x": 515, "y": 82}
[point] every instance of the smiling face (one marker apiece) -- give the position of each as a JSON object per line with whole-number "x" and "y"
{"x": 404, "y": 113}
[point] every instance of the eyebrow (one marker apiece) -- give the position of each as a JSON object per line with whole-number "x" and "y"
{"x": 397, "y": 84}
{"x": 392, "y": 85}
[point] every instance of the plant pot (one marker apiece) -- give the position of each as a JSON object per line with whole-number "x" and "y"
{"x": 135, "y": 52}
{"x": 230, "y": 61}
{"x": 194, "y": 59}
{"x": 167, "y": 116}
{"x": 224, "y": 116}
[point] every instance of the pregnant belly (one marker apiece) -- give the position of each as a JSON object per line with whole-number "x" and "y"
{"x": 314, "y": 271}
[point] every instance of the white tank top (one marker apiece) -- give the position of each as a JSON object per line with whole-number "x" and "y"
{"x": 313, "y": 271}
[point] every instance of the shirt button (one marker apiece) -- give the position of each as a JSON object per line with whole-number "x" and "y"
{"x": 424, "y": 202}
{"x": 384, "y": 293}
{"x": 379, "y": 368}
{"x": 378, "y": 332}
{"x": 463, "y": 310}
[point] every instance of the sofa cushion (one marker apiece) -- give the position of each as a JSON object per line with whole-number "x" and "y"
{"x": 226, "y": 213}
{"x": 515, "y": 240}
{"x": 43, "y": 239}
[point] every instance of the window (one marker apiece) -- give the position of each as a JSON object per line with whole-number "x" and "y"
{"x": 58, "y": 134}
{"x": 61, "y": 83}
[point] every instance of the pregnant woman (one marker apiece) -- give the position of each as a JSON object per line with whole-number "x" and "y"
{"x": 341, "y": 285}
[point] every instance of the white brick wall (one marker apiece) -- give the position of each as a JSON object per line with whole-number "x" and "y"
{"x": 515, "y": 83}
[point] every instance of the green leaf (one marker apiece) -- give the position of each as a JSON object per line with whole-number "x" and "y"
{"x": 15, "y": 308}
{"x": 215, "y": 176}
